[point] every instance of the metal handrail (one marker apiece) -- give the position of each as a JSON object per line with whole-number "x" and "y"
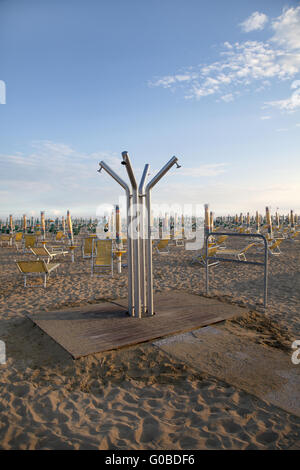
{"x": 242, "y": 235}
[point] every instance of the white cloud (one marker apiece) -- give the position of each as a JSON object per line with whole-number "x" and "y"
{"x": 246, "y": 66}
{"x": 264, "y": 118}
{"x": 227, "y": 98}
{"x": 256, "y": 21}
{"x": 290, "y": 104}
{"x": 295, "y": 84}
{"x": 287, "y": 29}
{"x": 54, "y": 176}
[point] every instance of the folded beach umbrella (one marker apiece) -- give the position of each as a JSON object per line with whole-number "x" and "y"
{"x": 70, "y": 228}
{"x": 63, "y": 223}
{"x": 206, "y": 219}
{"x": 11, "y": 223}
{"x": 211, "y": 221}
{"x": 182, "y": 226}
{"x": 166, "y": 222}
{"x": 160, "y": 224}
{"x": 257, "y": 221}
{"x": 24, "y": 223}
{"x": 43, "y": 226}
{"x": 292, "y": 218}
{"x": 269, "y": 222}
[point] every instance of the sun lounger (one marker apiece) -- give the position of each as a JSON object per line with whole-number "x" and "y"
{"x": 102, "y": 256}
{"x": 87, "y": 247}
{"x": 60, "y": 237}
{"x": 18, "y": 240}
{"x": 42, "y": 252}
{"x": 201, "y": 257}
{"x": 6, "y": 239}
{"x": 162, "y": 246}
{"x": 294, "y": 235}
{"x": 238, "y": 254}
{"x": 36, "y": 268}
{"x": 274, "y": 246}
{"x": 29, "y": 242}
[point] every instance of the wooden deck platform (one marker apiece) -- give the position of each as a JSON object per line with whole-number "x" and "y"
{"x": 106, "y": 326}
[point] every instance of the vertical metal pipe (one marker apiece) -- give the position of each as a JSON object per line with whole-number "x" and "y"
{"x": 136, "y": 250}
{"x": 206, "y": 263}
{"x": 124, "y": 185}
{"x": 143, "y": 239}
{"x": 149, "y": 256}
{"x": 266, "y": 273}
{"x": 150, "y": 185}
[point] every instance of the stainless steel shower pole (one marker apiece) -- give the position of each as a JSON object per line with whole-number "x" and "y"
{"x": 136, "y": 236}
{"x": 149, "y": 187}
{"x": 129, "y": 235}
{"x": 143, "y": 238}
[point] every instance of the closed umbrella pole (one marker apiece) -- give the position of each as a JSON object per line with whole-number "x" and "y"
{"x": 211, "y": 217}
{"x": 24, "y": 223}
{"x": 257, "y": 221}
{"x": 11, "y": 226}
{"x": 277, "y": 219}
{"x": 160, "y": 227}
{"x": 269, "y": 222}
{"x": 248, "y": 220}
{"x": 43, "y": 226}
{"x": 63, "y": 223}
{"x": 70, "y": 228}
{"x": 292, "y": 218}
{"x": 206, "y": 219}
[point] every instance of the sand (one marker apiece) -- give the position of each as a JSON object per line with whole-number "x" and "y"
{"x": 141, "y": 397}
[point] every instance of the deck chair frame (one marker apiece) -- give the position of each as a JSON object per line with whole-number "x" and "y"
{"x": 44, "y": 270}
{"x": 164, "y": 245}
{"x": 96, "y": 254}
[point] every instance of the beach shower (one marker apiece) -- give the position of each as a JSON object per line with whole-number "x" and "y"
{"x": 139, "y": 230}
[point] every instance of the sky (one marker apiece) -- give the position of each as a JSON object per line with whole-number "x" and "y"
{"x": 215, "y": 83}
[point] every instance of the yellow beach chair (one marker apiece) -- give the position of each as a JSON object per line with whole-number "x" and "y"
{"x": 220, "y": 241}
{"x": 6, "y": 239}
{"x": 162, "y": 246}
{"x": 18, "y": 240}
{"x": 29, "y": 241}
{"x": 294, "y": 235}
{"x": 60, "y": 237}
{"x": 87, "y": 247}
{"x": 238, "y": 254}
{"x": 274, "y": 246}
{"x": 102, "y": 255}
{"x": 36, "y": 268}
{"x": 201, "y": 257}
{"x": 42, "y": 252}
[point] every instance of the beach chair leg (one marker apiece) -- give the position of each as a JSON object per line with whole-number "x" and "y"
{"x": 24, "y": 281}
{"x": 45, "y": 280}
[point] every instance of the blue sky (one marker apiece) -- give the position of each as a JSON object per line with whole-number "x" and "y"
{"x": 215, "y": 83}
